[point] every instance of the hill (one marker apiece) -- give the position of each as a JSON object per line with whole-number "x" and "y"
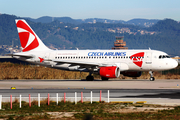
{"x": 162, "y": 36}
{"x": 47, "y": 19}
{"x": 138, "y": 22}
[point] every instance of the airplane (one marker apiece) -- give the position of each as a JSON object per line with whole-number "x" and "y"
{"x": 107, "y": 63}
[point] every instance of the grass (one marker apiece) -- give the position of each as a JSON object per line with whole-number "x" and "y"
{"x": 89, "y": 111}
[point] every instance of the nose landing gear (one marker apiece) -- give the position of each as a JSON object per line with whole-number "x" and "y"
{"x": 151, "y": 74}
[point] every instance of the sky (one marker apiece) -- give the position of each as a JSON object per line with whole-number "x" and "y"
{"x": 83, "y": 9}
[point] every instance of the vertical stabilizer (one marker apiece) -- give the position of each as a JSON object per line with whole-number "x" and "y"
{"x": 28, "y": 38}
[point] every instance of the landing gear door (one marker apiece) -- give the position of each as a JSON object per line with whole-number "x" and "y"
{"x": 148, "y": 57}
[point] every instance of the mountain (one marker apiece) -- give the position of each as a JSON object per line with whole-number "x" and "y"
{"x": 7, "y": 29}
{"x": 164, "y": 35}
{"x": 143, "y": 22}
{"x": 138, "y": 22}
{"x": 47, "y": 19}
{"x": 167, "y": 25}
{"x": 169, "y": 35}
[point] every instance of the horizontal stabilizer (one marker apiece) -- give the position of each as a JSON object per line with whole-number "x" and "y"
{"x": 20, "y": 55}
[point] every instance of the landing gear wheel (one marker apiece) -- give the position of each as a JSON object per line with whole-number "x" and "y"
{"x": 151, "y": 74}
{"x": 104, "y": 79}
{"x": 152, "y": 78}
{"x": 89, "y": 78}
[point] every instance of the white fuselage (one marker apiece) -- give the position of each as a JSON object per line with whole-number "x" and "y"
{"x": 126, "y": 60}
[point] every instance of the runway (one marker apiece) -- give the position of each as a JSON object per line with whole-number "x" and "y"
{"x": 96, "y": 84}
{"x": 164, "y": 92}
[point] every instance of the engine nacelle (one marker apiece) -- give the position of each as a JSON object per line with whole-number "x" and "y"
{"x": 132, "y": 73}
{"x": 109, "y": 72}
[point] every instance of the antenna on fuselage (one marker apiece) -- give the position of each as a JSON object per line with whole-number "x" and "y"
{"x": 149, "y": 48}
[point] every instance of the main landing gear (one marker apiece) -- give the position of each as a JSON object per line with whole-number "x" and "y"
{"x": 151, "y": 74}
{"x": 104, "y": 79}
{"x": 90, "y": 77}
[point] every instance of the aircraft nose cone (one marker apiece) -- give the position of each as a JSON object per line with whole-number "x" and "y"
{"x": 174, "y": 64}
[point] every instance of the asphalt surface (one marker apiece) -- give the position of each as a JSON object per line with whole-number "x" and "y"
{"x": 114, "y": 93}
{"x": 165, "y": 92}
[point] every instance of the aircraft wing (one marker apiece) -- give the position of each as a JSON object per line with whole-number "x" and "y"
{"x": 123, "y": 66}
{"x": 80, "y": 63}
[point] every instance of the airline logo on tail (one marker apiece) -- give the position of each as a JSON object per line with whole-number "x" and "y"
{"x": 137, "y": 58}
{"x": 27, "y": 37}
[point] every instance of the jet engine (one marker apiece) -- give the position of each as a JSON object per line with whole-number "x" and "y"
{"x": 132, "y": 73}
{"x": 109, "y": 72}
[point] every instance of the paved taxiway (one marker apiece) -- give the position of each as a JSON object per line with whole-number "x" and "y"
{"x": 166, "y": 92}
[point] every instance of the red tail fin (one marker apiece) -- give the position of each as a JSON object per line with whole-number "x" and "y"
{"x": 28, "y": 38}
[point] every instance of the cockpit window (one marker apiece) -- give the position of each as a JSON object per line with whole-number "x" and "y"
{"x": 163, "y": 56}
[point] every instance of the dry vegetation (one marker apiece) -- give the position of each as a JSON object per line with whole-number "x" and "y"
{"x": 87, "y": 111}
{"x": 19, "y": 71}
{"x": 16, "y": 71}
